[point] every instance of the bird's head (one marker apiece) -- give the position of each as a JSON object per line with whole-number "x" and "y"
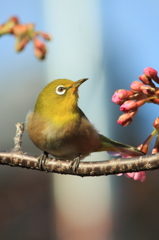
{"x": 59, "y": 96}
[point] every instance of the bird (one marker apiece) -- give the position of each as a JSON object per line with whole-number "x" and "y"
{"x": 59, "y": 127}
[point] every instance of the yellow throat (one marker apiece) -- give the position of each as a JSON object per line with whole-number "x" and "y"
{"x": 59, "y": 101}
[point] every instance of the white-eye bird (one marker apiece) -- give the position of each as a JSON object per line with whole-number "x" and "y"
{"x": 58, "y": 126}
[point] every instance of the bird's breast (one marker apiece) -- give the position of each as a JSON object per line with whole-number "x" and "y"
{"x": 65, "y": 141}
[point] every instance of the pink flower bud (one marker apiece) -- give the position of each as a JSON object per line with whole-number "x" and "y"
{"x": 135, "y": 86}
{"x": 144, "y": 79}
{"x": 156, "y": 123}
{"x": 39, "y": 45}
{"x": 155, "y": 150}
{"x": 45, "y": 36}
{"x": 129, "y": 105}
{"x": 20, "y": 30}
{"x": 151, "y": 73}
{"x": 126, "y": 118}
{"x": 157, "y": 92}
{"x": 14, "y": 19}
{"x": 39, "y": 54}
{"x": 121, "y": 95}
{"x": 39, "y": 49}
{"x": 144, "y": 148}
{"x": 137, "y": 175}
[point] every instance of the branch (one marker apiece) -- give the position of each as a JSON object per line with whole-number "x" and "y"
{"x": 16, "y": 158}
{"x": 113, "y": 166}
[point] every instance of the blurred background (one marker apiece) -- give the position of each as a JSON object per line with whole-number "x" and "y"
{"x": 110, "y": 42}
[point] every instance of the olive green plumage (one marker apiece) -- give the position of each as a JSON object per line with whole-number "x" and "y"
{"x": 59, "y": 127}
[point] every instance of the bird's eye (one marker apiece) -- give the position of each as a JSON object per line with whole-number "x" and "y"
{"x": 60, "y": 90}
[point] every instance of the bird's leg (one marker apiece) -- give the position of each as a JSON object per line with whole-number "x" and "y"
{"x": 42, "y": 159}
{"x": 75, "y": 163}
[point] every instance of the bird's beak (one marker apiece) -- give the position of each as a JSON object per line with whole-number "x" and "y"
{"x": 78, "y": 83}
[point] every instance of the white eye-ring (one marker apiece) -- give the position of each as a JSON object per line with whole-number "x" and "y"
{"x": 60, "y": 90}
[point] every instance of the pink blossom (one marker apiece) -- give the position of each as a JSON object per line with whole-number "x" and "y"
{"x": 120, "y": 96}
{"x": 156, "y": 123}
{"x": 136, "y": 86}
{"x": 144, "y": 79}
{"x": 45, "y": 35}
{"x": 137, "y": 175}
{"x": 151, "y": 73}
{"x": 129, "y": 105}
{"x": 126, "y": 118}
{"x": 39, "y": 48}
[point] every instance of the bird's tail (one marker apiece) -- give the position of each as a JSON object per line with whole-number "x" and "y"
{"x": 117, "y": 148}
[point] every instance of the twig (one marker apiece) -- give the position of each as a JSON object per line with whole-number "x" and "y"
{"x": 18, "y": 137}
{"x": 16, "y": 158}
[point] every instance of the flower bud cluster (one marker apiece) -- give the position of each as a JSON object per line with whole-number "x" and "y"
{"x": 139, "y": 94}
{"x": 144, "y": 147}
{"x": 24, "y": 33}
{"x": 130, "y": 101}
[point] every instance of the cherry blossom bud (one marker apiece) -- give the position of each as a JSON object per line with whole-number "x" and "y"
{"x": 129, "y": 105}
{"x": 144, "y": 79}
{"x": 14, "y": 19}
{"x": 157, "y": 91}
{"x": 137, "y": 175}
{"x": 135, "y": 86}
{"x": 144, "y": 148}
{"x": 120, "y": 96}
{"x": 156, "y": 123}
{"x": 151, "y": 73}
{"x": 45, "y": 36}
{"x": 39, "y": 54}
{"x": 39, "y": 48}
{"x": 39, "y": 44}
{"x": 126, "y": 118}
{"x": 20, "y": 30}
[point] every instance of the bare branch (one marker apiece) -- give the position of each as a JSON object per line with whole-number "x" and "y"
{"x": 16, "y": 158}
{"x": 113, "y": 166}
{"x": 18, "y": 137}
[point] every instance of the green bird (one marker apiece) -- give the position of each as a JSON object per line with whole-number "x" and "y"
{"x": 58, "y": 126}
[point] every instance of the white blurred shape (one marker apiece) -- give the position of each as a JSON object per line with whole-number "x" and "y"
{"x": 83, "y": 206}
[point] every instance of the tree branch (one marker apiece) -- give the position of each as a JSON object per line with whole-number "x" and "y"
{"x": 16, "y": 158}
{"x": 113, "y": 166}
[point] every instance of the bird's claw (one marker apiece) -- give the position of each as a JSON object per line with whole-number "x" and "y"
{"x": 42, "y": 160}
{"x": 75, "y": 163}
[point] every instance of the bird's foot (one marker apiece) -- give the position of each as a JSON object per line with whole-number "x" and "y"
{"x": 42, "y": 159}
{"x": 75, "y": 163}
